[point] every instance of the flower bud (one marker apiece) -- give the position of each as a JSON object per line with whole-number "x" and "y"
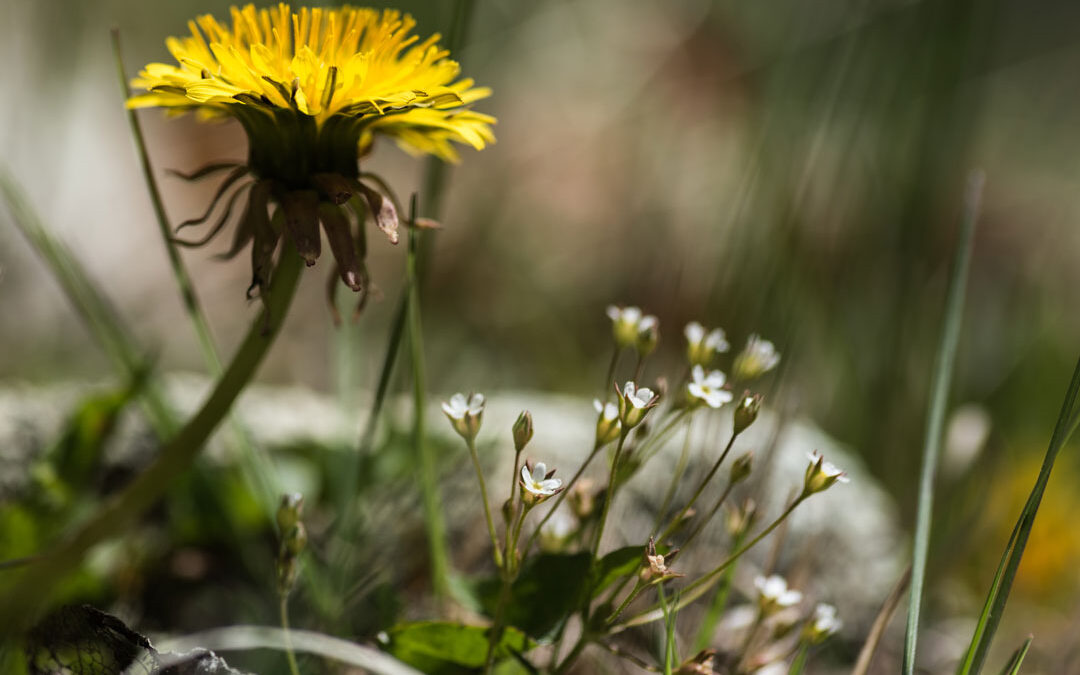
{"x": 739, "y": 520}
{"x": 289, "y": 511}
{"x": 648, "y": 335}
{"x": 296, "y": 540}
{"x": 747, "y": 411}
{"x": 821, "y": 475}
{"x": 523, "y": 430}
{"x": 821, "y": 625}
{"x": 583, "y": 498}
{"x": 608, "y": 426}
{"x": 741, "y": 468}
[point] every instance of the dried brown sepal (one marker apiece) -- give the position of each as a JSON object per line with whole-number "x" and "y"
{"x": 427, "y": 224}
{"x": 339, "y": 234}
{"x": 222, "y": 221}
{"x": 301, "y": 209}
{"x": 333, "y": 186}
{"x": 233, "y": 176}
{"x": 265, "y": 236}
{"x": 382, "y": 211}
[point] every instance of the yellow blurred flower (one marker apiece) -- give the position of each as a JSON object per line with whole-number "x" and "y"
{"x": 312, "y": 89}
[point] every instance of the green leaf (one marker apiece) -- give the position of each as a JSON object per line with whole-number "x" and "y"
{"x": 444, "y": 648}
{"x": 1017, "y": 658}
{"x": 546, "y": 591}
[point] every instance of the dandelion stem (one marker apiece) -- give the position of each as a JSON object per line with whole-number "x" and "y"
{"x": 25, "y": 597}
{"x": 700, "y": 488}
{"x": 433, "y": 519}
{"x": 261, "y": 477}
{"x": 283, "y": 607}
{"x": 487, "y": 508}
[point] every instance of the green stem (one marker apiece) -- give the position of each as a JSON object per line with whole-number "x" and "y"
{"x": 634, "y": 592}
{"x": 609, "y": 379}
{"x": 393, "y": 346}
{"x": 700, "y": 488}
{"x": 509, "y": 572}
{"x": 610, "y": 496}
{"x": 710, "y": 515}
{"x": 698, "y": 588}
{"x": 433, "y": 517}
{"x": 716, "y": 608}
{"x": 24, "y": 598}
{"x": 487, "y": 507}
{"x": 261, "y": 477}
{"x": 799, "y": 664}
{"x": 283, "y": 607}
{"x": 680, "y": 469}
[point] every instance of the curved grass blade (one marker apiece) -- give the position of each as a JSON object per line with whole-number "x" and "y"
{"x": 935, "y": 419}
{"x": 998, "y": 595}
{"x": 1017, "y": 659}
{"x": 245, "y": 638}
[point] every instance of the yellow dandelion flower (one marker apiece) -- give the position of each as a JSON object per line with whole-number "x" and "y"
{"x": 312, "y": 89}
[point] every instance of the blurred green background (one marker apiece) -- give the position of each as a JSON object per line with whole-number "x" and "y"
{"x": 783, "y": 167}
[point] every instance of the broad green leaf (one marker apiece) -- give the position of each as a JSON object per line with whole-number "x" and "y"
{"x": 448, "y": 648}
{"x": 548, "y": 588}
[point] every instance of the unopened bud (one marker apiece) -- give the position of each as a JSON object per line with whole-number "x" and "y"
{"x": 747, "y": 411}
{"x": 523, "y": 430}
{"x": 295, "y": 541}
{"x": 741, "y": 467}
{"x": 624, "y": 325}
{"x": 289, "y": 510}
{"x": 739, "y": 520}
{"x": 608, "y": 426}
{"x": 648, "y": 335}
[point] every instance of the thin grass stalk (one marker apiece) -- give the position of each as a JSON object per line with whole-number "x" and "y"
{"x": 998, "y": 596}
{"x": 429, "y": 487}
{"x": 89, "y": 301}
{"x": 935, "y": 420}
{"x": 717, "y": 606}
{"x": 881, "y": 622}
{"x": 28, "y": 594}
{"x": 261, "y": 475}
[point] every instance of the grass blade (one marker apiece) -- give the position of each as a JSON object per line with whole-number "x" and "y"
{"x": 1017, "y": 659}
{"x": 881, "y": 622}
{"x": 998, "y": 595}
{"x": 89, "y": 301}
{"x": 943, "y": 371}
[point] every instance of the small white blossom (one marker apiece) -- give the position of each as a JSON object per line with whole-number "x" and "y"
{"x": 465, "y": 413}
{"x": 701, "y": 345}
{"x": 822, "y": 624}
{"x": 757, "y": 358}
{"x": 708, "y": 389}
{"x": 774, "y": 594}
{"x": 634, "y": 403}
{"x": 538, "y": 483}
{"x": 820, "y": 475}
{"x": 625, "y": 322}
{"x": 608, "y": 425}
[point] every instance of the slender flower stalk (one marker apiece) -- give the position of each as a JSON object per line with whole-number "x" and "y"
{"x": 487, "y": 507}
{"x": 676, "y": 477}
{"x": 610, "y": 497}
{"x": 700, "y": 488}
